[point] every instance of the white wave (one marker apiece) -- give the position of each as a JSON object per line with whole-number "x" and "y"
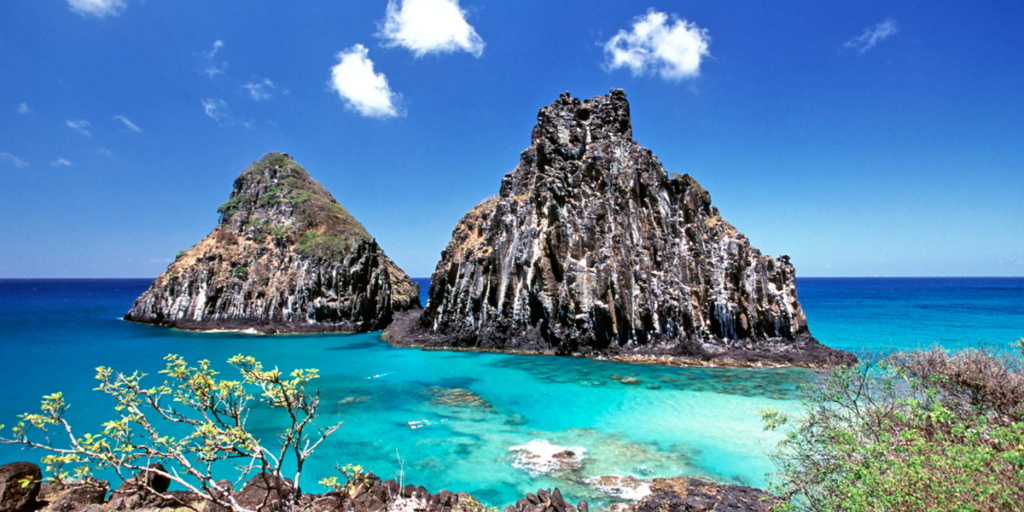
{"x": 625, "y": 487}
{"x": 539, "y": 457}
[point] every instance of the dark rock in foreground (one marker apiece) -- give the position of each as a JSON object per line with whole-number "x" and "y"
{"x": 265, "y": 492}
{"x": 142, "y": 490}
{"x": 546, "y": 500}
{"x": 87, "y": 494}
{"x": 591, "y": 248}
{"x": 696, "y": 495}
{"x": 286, "y": 257}
{"x": 365, "y": 493}
{"x": 19, "y": 485}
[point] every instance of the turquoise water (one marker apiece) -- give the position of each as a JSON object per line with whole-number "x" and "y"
{"x": 879, "y": 315}
{"x": 674, "y": 421}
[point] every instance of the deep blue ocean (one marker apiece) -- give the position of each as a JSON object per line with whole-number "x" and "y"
{"x": 675, "y": 421}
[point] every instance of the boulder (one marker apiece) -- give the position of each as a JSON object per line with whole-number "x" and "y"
{"x": 138, "y": 491}
{"x": 19, "y": 486}
{"x": 698, "y": 495}
{"x": 228, "y": 490}
{"x": 265, "y": 493}
{"x": 545, "y": 500}
{"x": 144, "y": 481}
{"x": 77, "y": 496}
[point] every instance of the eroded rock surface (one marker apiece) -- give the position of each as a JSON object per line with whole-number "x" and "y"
{"x": 286, "y": 257}
{"x": 19, "y": 485}
{"x": 697, "y": 495}
{"x": 592, "y": 248}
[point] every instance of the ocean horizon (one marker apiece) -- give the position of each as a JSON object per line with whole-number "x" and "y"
{"x": 397, "y": 405}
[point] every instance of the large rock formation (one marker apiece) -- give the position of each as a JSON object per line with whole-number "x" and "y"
{"x": 592, "y": 248}
{"x": 286, "y": 257}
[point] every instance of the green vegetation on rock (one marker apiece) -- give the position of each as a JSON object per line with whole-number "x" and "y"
{"x": 274, "y": 196}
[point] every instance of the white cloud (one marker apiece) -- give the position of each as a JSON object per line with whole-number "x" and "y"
{"x": 653, "y": 44}
{"x": 79, "y": 126}
{"x": 363, "y": 90}
{"x": 23, "y": 108}
{"x": 97, "y": 8}
{"x": 131, "y": 126}
{"x": 872, "y": 36}
{"x": 216, "y": 109}
{"x": 429, "y": 26}
{"x": 13, "y": 160}
{"x": 210, "y": 66}
{"x": 104, "y": 152}
{"x": 61, "y": 162}
{"x": 261, "y": 90}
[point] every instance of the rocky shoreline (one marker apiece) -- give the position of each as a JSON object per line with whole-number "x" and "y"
{"x": 406, "y": 331}
{"x": 22, "y": 490}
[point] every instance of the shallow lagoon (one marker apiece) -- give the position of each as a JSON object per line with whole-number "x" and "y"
{"x": 468, "y": 408}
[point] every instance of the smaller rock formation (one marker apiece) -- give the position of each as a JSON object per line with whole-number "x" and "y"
{"x": 286, "y": 257}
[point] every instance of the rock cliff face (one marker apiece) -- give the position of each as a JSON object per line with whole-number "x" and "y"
{"x": 286, "y": 257}
{"x": 592, "y": 248}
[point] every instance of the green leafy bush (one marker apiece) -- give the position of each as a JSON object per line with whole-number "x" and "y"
{"x": 298, "y": 196}
{"x": 230, "y": 207}
{"x": 279, "y": 234}
{"x": 920, "y": 431}
{"x": 313, "y": 244}
{"x": 271, "y": 197}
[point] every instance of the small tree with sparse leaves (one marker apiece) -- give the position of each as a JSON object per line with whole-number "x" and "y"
{"x": 214, "y": 411}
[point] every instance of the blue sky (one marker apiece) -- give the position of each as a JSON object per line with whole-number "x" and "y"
{"x": 861, "y": 138}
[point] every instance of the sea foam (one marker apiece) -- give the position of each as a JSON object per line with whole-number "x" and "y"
{"x": 540, "y": 457}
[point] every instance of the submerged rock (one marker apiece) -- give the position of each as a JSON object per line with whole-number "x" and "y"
{"x": 352, "y": 400}
{"x": 456, "y": 397}
{"x": 624, "y": 487}
{"x": 286, "y": 257}
{"x": 539, "y": 457}
{"x": 591, "y": 248}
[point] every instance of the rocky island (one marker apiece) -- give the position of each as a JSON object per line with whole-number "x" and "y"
{"x": 591, "y": 248}
{"x": 285, "y": 258}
